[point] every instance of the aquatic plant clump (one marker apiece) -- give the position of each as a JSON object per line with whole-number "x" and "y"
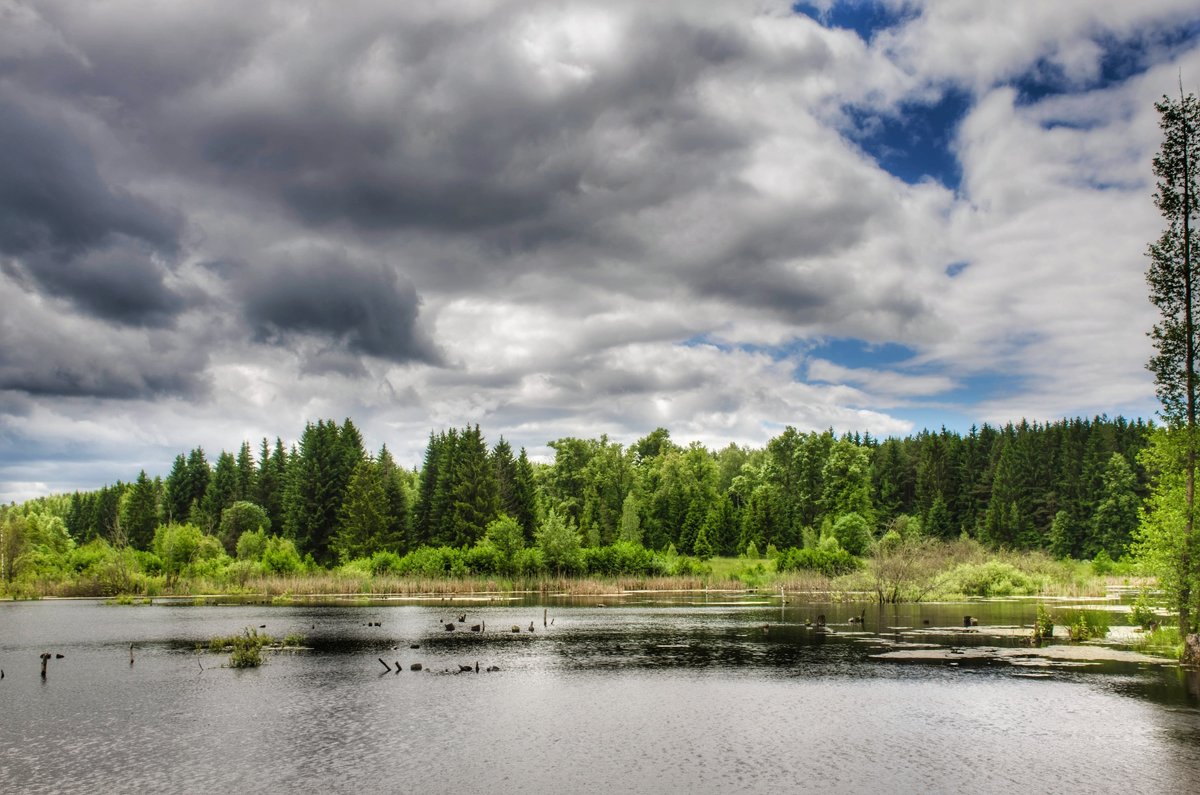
{"x": 246, "y": 647}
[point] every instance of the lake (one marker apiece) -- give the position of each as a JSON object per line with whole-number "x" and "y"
{"x": 649, "y": 693}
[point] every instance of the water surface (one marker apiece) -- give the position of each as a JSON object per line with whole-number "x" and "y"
{"x": 656, "y": 694}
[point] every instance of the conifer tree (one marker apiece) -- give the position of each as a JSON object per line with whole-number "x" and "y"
{"x": 140, "y": 514}
{"x": 1174, "y": 281}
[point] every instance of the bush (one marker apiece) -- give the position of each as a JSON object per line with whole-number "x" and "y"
{"x": 247, "y": 649}
{"x": 483, "y": 559}
{"x": 279, "y": 556}
{"x": 829, "y": 560}
{"x": 689, "y": 567}
{"x": 529, "y": 562}
{"x": 992, "y": 578}
{"x": 385, "y": 562}
{"x": 251, "y": 544}
{"x": 1043, "y": 625}
{"x": 1143, "y": 613}
{"x": 1102, "y": 564}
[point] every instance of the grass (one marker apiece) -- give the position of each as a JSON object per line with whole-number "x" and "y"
{"x": 1163, "y": 642}
{"x": 939, "y": 569}
{"x": 125, "y": 599}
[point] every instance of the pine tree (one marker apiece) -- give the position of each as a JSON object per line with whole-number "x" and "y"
{"x": 1116, "y": 516}
{"x": 475, "y": 499}
{"x": 363, "y": 518}
{"x": 140, "y": 515}
{"x": 1173, "y": 281}
{"x": 525, "y": 496}
{"x": 394, "y": 537}
{"x": 247, "y": 480}
{"x": 222, "y": 491}
{"x": 177, "y": 497}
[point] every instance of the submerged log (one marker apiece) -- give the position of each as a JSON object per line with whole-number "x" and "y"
{"x": 385, "y": 665}
{"x": 45, "y": 659}
{"x": 476, "y": 628}
{"x": 415, "y": 667}
{"x": 449, "y": 627}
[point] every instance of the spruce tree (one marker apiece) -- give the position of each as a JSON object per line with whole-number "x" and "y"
{"x": 1173, "y": 281}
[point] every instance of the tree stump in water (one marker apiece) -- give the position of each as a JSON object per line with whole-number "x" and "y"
{"x": 1191, "y": 650}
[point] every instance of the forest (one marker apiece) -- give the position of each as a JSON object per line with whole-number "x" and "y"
{"x": 1070, "y": 488}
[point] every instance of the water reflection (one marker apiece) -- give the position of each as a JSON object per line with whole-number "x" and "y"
{"x": 653, "y": 694}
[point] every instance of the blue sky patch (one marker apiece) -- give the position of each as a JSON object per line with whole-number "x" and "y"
{"x": 856, "y": 353}
{"x": 864, "y": 17}
{"x": 916, "y": 143}
{"x": 1123, "y": 58}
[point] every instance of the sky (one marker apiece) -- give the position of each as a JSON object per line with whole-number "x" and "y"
{"x": 222, "y": 220}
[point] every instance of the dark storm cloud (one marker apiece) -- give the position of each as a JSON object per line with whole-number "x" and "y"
{"x": 70, "y": 232}
{"x": 367, "y": 307}
{"x": 468, "y": 136}
{"x": 40, "y": 359}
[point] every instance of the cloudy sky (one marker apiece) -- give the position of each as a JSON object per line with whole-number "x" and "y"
{"x": 219, "y": 220}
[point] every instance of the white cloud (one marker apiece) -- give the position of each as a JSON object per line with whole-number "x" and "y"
{"x": 598, "y": 212}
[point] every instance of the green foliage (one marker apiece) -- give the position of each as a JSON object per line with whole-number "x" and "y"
{"x": 1043, "y": 625}
{"x": 1162, "y": 544}
{"x": 385, "y": 562}
{"x": 560, "y": 544}
{"x": 751, "y": 552}
{"x": 992, "y": 578}
{"x": 176, "y": 546}
{"x": 1085, "y": 625}
{"x": 853, "y": 533}
{"x": 1142, "y": 612}
{"x": 240, "y": 518}
{"x": 251, "y": 544}
{"x": 506, "y": 535}
{"x": 703, "y": 549}
{"x": 1102, "y": 564}
{"x": 247, "y": 648}
{"x": 829, "y": 562}
{"x": 280, "y": 556}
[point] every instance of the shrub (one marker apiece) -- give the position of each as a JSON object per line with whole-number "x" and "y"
{"x": 279, "y": 556}
{"x": 484, "y": 558}
{"x": 992, "y": 578}
{"x": 1043, "y": 625}
{"x": 385, "y": 562}
{"x": 831, "y": 562}
{"x": 1102, "y": 564}
{"x": 529, "y": 562}
{"x": 1143, "y": 613}
{"x": 689, "y": 567}
{"x": 247, "y": 649}
{"x": 251, "y": 544}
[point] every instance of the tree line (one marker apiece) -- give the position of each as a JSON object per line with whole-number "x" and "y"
{"x": 1072, "y": 488}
